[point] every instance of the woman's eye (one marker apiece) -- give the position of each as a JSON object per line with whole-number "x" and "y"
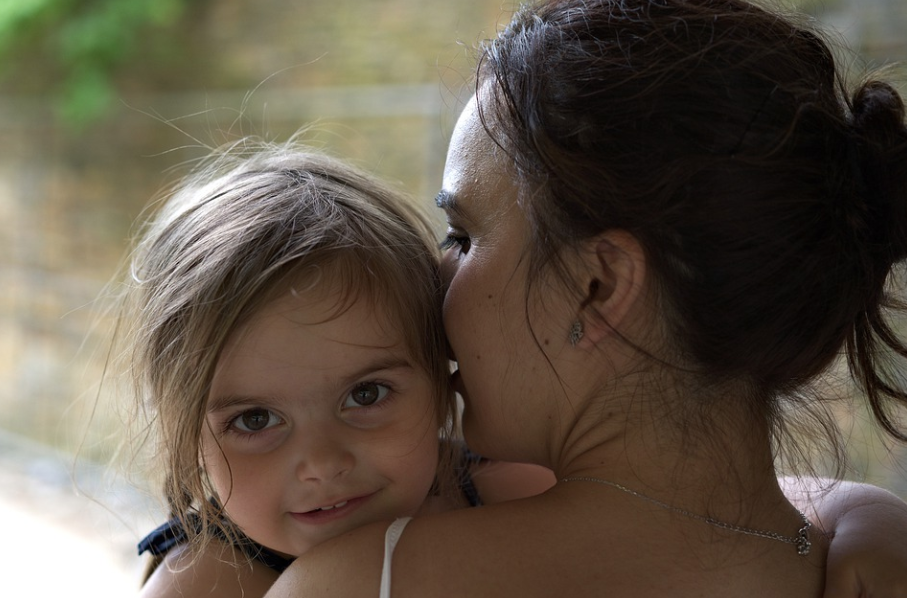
{"x": 365, "y": 395}
{"x": 255, "y": 420}
{"x": 453, "y": 240}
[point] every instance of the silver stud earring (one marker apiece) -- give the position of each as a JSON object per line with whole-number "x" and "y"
{"x": 576, "y": 333}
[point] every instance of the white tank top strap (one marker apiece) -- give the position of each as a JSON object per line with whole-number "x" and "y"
{"x": 391, "y": 537}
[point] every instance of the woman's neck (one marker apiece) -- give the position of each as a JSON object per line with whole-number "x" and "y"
{"x": 698, "y": 449}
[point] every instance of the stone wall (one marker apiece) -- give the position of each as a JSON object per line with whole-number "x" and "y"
{"x": 378, "y": 81}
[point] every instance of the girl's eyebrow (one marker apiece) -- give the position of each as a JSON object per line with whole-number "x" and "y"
{"x": 384, "y": 365}
{"x": 220, "y": 403}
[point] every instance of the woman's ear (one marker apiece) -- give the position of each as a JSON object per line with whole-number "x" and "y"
{"x": 618, "y": 271}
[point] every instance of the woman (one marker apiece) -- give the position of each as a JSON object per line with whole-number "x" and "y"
{"x": 664, "y": 225}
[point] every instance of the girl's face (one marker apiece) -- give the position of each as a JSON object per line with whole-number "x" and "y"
{"x": 318, "y": 423}
{"x": 506, "y": 342}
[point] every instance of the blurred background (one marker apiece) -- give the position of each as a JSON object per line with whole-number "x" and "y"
{"x": 100, "y": 100}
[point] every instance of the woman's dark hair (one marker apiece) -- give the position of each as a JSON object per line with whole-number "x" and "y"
{"x": 772, "y": 204}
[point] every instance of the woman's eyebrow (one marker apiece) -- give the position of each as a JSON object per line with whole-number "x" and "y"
{"x": 447, "y": 201}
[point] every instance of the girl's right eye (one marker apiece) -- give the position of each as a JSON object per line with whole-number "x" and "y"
{"x": 255, "y": 420}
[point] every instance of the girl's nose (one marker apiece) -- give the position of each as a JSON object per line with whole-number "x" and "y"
{"x": 324, "y": 458}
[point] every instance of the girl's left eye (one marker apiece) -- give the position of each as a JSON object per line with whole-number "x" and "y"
{"x": 255, "y": 420}
{"x": 365, "y": 395}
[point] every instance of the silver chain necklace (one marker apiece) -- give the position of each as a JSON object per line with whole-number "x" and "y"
{"x": 800, "y": 541}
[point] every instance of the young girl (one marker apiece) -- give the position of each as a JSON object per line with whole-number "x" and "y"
{"x": 286, "y": 336}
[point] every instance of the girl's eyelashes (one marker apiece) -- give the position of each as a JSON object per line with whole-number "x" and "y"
{"x": 366, "y": 394}
{"x": 454, "y": 240}
{"x": 252, "y": 421}
{"x": 255, "y": 420}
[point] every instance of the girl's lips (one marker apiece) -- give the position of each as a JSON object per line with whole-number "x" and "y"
{"x": 327, "y": 515}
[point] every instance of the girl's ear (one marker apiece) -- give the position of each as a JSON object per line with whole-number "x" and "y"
{"x": 618, "y": 271}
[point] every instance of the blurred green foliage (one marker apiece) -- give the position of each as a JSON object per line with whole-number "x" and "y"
{"x": 71, "y": 49}
{"x": 74, "y": 52}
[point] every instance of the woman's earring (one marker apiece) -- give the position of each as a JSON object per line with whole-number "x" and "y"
{"x": 576, "y": 333}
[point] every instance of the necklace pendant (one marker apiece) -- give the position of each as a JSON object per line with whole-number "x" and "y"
{"x": 802, "y": 542}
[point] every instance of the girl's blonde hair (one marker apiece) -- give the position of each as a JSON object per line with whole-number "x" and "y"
{"x": 237, "y": 231}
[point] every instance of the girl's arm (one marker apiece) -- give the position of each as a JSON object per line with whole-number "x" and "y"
{"x": 867, "y": 555}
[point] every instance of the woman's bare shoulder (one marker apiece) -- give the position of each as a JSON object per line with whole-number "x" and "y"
{"x": 557, "y": 543}
{"x": 447, "y": 550}
{"x": 218, "y": 570}
{"x": 348, "y": 565}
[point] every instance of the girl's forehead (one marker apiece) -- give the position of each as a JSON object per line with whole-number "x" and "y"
{"x": 347, "y": 295}
{"x": 324, "y": 289}
{"x": 317, "y": 324}
{"x": 331, "y": 305}
{"x": 316, "y": 304}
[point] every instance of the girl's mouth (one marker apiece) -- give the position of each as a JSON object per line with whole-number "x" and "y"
{"x": 329, "y": 513}
{"x": 338, "y": 505}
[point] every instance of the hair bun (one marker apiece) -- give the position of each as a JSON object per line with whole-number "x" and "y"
{"x": 878, "y": 113}
{"x": 881, "y": 142}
